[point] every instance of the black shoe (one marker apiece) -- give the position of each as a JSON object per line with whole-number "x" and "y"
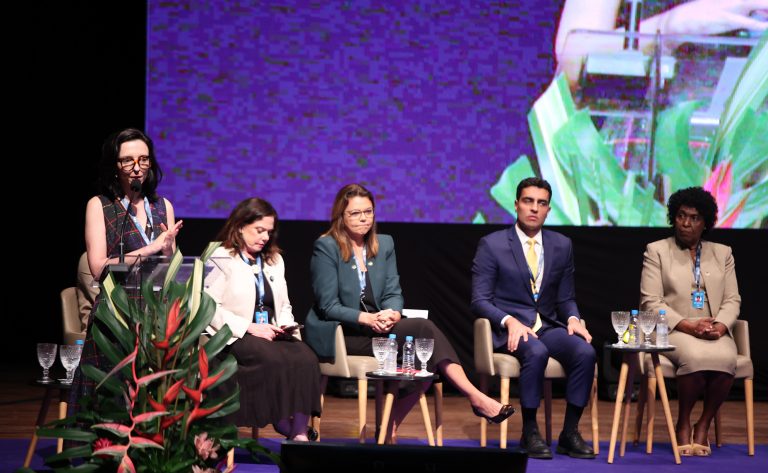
{"x": 312, "y": 434}
{"x": 535, "y": 445}
{"x": 505, "y": 411}
{"x": 574, "y": 446}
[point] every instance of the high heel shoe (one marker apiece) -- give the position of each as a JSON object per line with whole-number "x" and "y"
{"x": 505, "y": 411}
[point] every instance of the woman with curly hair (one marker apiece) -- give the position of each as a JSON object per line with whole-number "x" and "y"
{"x": 695, "y": 282}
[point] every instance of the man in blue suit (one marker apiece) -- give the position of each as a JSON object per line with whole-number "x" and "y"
{"x": 522, "y": 281}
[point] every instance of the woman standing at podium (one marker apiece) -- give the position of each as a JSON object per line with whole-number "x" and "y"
{"x": 127, "y": 218}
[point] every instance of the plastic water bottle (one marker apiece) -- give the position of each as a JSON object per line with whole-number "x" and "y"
{"x": 662, "y": 329}
{"x": 633, "y": 328}
{"x": 390, "y": 362}
{"x": 409, "y": 356}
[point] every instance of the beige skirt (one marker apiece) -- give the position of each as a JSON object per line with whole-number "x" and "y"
{"x": 694, "y": 354}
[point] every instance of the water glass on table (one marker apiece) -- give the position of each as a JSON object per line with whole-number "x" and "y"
{"x": 46, "y": 355}
{"x": 424, "y": 348}
{"x": 379, "y": 345}
{"x": 647, "y": 321}
{"x": 70, "y": 358}
{"x": 620, "y": 321}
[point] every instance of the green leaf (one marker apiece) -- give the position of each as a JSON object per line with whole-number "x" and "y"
{"x": 107, "y": 346}
{"x": 68, "y": 434}
{"x": 750, "y": 92}
{"x": 115, "y": 324}
{"x": 753, "y": 212}
{"x": 199, "y": 323}
{"x": 212, "y": 246}
{"x": 112, "y": 385}
{"x": 673, "y": 153}
{"x": 750, "y": 148}
{"x": 173, "y": 269}
{"x": 217, "y": 342}
{"x": 229, "y": 367}
{"x": 505, "y": 190}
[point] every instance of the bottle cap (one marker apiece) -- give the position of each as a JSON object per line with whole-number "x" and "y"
{"x": 79, "y": 342}
{"x": 662, "y": 312}
{"x": 408, "y": 338}
{"x": 392, "y": 335}
{"x": 634, "y": 311}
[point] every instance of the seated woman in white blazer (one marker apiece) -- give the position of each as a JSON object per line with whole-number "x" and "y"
{"x": 278, "y": 374}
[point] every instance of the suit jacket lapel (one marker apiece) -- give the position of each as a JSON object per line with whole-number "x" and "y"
{"x": 517, "y": 253}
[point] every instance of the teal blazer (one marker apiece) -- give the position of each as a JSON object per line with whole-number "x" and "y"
{"x": 337, "y": 290}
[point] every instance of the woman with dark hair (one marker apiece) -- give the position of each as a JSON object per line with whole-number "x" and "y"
{"x": 278, "y": 375}
{"x": 355, "y": 281}
{"x": 694, "y": 281}
{"x": 127, "y": 212}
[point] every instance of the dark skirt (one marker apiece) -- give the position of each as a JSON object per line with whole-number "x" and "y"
{"x": 417, "y": 328}
{"x": 277, "y": 379}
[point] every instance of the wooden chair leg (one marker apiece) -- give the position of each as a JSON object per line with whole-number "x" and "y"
{"x": 438, "y": 393}
{"x": 718, "y": 430}
{"x": 548, "y": 409}
{"x": 504, "y": 400}
{"x": 651, "y": 401}
{"x": 315, "y": 420}
{"x": 641, "y": 399}
{"x": 362, "y": 404}
{"x": 483, "y": 423}
{"x": 595, "y": 419}
{"x": 749, "y": 401}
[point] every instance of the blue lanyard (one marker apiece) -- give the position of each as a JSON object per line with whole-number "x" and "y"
{"x": 360, "y": 272}
{"x": 534, "y": 285}
{"x": 258, "y": 277}
{"x": 127, "y": 205}
{"x": 697, "y": 268}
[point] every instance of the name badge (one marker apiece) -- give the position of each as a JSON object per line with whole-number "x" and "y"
{"x": 697, "y": 299}
{"x": 262, "y": 317}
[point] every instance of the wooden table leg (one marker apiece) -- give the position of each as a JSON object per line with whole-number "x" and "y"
{"x": 389, "y": 400}
{"x": 628, "y": 401}
{"x": 503, "y": 425}
{"x": 41, "y": 414}
{"x": 427, "y": 420}
{"x": 617, "y": 407}
{"x": 665, "y": 402}
{"x": 438, "y": 393}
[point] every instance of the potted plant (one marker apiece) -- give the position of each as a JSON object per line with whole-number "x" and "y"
{"x": 152, "y": 412}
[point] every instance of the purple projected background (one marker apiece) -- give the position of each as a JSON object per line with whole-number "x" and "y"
{"x": 423, "y": 102}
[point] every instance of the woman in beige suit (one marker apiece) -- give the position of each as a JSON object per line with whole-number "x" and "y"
{"x": 278, "y": 375}
{"x": 695, "y": 282}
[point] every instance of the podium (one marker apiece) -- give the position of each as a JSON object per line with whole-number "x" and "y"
{"x": 140, "y": 270}
{"x": 623, "y": 128}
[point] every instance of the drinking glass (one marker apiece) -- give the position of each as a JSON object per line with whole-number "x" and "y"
{"x": 46, "y": 355}
{"x": 647, "y": 321}
{"x": 424, "y": 347}
{"x": 70, "y": 358}
{"x": 620, "y": 321}
{"x": 380, "y": 352}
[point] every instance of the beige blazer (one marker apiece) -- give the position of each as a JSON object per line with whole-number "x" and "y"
{"x": 667, "y": 280}
{"x": 232, "y": 286}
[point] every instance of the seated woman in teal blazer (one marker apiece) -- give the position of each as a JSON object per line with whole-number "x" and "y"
{"x": 355, "y": 281}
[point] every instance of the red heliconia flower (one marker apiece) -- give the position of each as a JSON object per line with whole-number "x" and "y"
{"x": 102, "y": 442}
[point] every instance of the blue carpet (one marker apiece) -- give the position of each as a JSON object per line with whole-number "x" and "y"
{"x": 725, "y": 459}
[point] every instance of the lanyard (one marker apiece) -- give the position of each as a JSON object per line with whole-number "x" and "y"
{"x": 258, "y": 278}
{"x": 697, "y": 268}
{"x": 360, "y": 272}
{"x": 127, "y": 204}
{"x": 539, "y": 275}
